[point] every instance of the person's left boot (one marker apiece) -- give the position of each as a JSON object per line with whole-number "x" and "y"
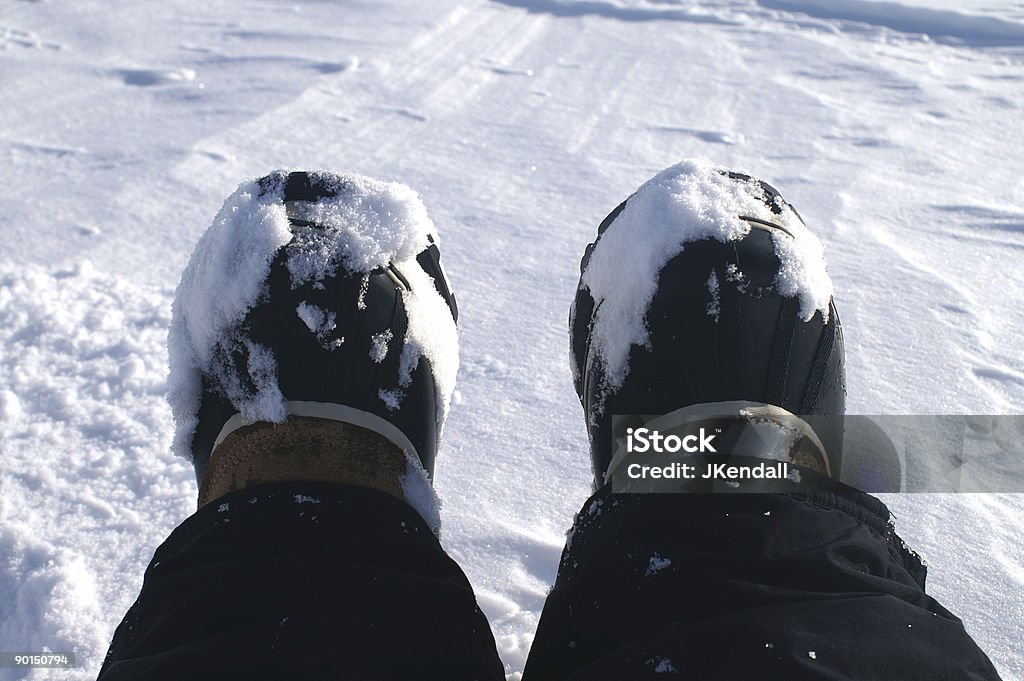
{"x": 313, "y": 338}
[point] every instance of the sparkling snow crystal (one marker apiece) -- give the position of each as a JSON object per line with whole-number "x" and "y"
{"x": 420, "y": 493}
{"x": 656, "y": 564}
{"x": 321, "y": 322}
{"x": 663, "y": 665}
{"x": 368, "y": 224}
{"x": 425, "y": 337}
{"x": 391, "y": 398}
{"x": 714, "y": 307}
{"x": 379, "y": 345}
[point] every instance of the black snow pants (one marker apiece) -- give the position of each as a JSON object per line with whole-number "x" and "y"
{"x": 323, "y": 581}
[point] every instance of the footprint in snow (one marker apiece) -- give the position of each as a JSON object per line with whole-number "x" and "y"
{"x": 349, "y": 64}
{"x": 151, "y": 77}
{"x": 27, "y": 39}
{"x": 710, "y": 136}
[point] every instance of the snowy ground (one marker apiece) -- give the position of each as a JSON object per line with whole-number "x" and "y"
{"x": 894, "y": 127}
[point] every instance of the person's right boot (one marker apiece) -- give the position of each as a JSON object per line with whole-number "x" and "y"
{"x": 706, "y": 295}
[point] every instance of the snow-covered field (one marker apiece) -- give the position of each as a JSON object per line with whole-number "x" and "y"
{"x": 895, "y": 128}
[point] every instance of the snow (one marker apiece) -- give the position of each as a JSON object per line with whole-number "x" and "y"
{"x": 431, "y": 334}
{"x": 420, "y": 493}
{"x": 663, "y": 665}
{"x": 317, "y": 320}
{"x": 367, "y": 225}
{"x": 224, "y": 279}
{"x": 379, "y": 345}
{"x": 714, "y": 306}
{"x": 656, "y": 564}
{"x": 391, "y": 398}
{"x": 891, "y": 126}
{"x": 953, "y": 26}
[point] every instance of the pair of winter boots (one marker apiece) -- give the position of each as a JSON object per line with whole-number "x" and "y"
{"x": 314, "y": 332}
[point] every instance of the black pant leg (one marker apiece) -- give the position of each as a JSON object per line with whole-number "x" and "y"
{"x": 746, "y": 587}
{"x": 303, "y": 581}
